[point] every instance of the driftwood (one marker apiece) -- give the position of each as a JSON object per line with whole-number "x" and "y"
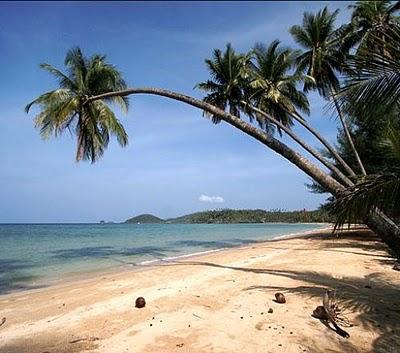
{"x": 90, "y": 339}
{"x": 3, "y": 321}
{"x": 331, "y": 313}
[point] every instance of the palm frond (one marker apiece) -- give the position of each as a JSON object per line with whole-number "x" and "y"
{"x": 63, "y": 108}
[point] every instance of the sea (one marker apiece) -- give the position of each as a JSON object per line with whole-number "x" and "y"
{"x": 36, "y": 255}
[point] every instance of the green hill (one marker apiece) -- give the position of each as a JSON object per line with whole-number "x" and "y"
{"x": 240, "y": 216}
{"x": 145, "y": 218}
{"x": 254, "y": 216}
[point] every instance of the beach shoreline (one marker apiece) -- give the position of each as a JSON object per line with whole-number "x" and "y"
{"x": 190, "y": 300}
{"x": 71, "y": 278}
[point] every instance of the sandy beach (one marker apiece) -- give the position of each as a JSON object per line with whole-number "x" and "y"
{"x": 219, "y": 302}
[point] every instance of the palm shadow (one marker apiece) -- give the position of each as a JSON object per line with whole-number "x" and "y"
{"x": 373, "y": 297}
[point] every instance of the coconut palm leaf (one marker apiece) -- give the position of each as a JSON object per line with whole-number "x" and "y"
{"x": 374, "y": 191}
{"x": 226, "y": 87}
{"x": 273, "y": 83}
{"x": 64, "y": 108}
{"x": 374, "y": 88}
{"x": 368, "y": 19}
{"x": 323, "y": 53}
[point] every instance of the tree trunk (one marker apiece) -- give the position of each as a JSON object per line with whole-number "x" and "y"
{"x": 328, "y": 146}
{"x": 292, "y": 156}
{"x": 347, "y": 132}
{"x": 388, "y": 231}
{"x": 312, "y": 151}
{"x": 377, "y": 221}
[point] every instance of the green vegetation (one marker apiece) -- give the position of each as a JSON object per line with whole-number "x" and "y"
{"x": 61, "y": 109}
{"x": 241, "y": 216}
{"x": 145, "y": 218}
{"x": 355, "y": 67}
{"x": 254, "y": 216}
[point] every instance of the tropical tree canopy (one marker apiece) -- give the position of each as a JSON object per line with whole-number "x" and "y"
{"x": 264, "y": 78}
{"x": 373, "y": 90}
{"x": 62, "y": 109}
{"x": 323, "y": 55}
{"x": 274, "y": 85}
{"x": 263, "y": 84}
{"x": 228, "y": 75}
{"x": 367, "y": 20}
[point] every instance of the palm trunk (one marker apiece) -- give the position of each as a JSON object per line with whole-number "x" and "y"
{"x": 324, "y": 179}
{"x": 386, "y": 229}
{"x": 312, "y": 151}
{"x": 347, "y": 132}
{"x": 377, "y": 221}
{"x": 328, "y": 146}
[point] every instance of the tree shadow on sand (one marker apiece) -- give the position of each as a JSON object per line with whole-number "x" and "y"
{"x": 374, "y": 298}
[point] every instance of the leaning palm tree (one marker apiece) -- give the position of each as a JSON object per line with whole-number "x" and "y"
{"x": 322, "y": 59}
{"x": 274, "y": 86}
{"x": 374, "y": 92}
{"x": 228, "y": 75}
{"x": 62, "y": 108}
{"x": 375, "y": 191}
{"x": 274, "y": 97}
{"x": 264, "y": 91}
{"x": 86, "y": 103}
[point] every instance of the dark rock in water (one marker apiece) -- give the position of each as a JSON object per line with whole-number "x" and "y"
{"x": 280, "y": 298}
{"x": 320, "y": 313}
{"x": 396, "y": 266}
{"x": 140, "y": 303}
{"x": 270, "y": 311}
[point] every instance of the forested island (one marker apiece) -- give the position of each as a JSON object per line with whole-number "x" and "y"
{"x": 241, "y": 216}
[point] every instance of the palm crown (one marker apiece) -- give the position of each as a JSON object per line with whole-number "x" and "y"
{"x": 274, "y": 85}
{"x": 228, "y": 73}
{"x": 323, "y": 55}
{"x": 260, "y": 79}
{"x": 368, "y": 19}
{"x": 65, "y": 108}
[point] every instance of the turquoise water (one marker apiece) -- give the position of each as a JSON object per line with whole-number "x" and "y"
{"x": 33, "y": 255}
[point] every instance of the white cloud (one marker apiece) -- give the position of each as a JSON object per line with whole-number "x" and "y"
{"x": 211, "y": 199}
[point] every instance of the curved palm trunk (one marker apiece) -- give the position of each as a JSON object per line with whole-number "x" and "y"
{"x": 386, "y": 229}
{"x": 328, "y": 146}
{"x": 377, "y": 221}
{"x": 292, "y": 156}
{"x": 312, "y": 151}
{"x": 347, "y": 132}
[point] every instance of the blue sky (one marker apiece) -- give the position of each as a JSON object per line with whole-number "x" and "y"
{"x": 174, "y": 155}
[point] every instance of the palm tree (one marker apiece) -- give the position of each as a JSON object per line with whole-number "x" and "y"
{"x": 322, "y": 59}
{"x": 276, "y": 91}
{"x": 237, "y": 85}
{"x": 375, "y": 191}
{"x": 274, "y": 88}
{"x": 384, "y": 227}
{"x": 225, "y": 90}
{"x": 367, "y": 20}
{"x": 274, "y": 96}
{"x": 63, "y": 108}
{"x": 373, "y": 91}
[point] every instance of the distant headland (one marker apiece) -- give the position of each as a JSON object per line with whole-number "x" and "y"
{"x": 240, "y": 216}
